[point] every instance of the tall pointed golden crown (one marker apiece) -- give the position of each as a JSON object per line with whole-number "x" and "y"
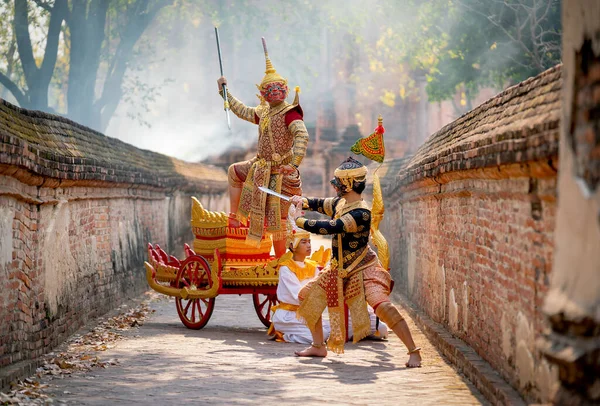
{"x": 271, "y": 74}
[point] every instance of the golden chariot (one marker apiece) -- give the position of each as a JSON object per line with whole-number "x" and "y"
{"x": 219, "y": 263}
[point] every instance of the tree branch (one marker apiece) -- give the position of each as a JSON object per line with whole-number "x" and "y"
{"x": 504, "y": 30}
{"x": 534, "y": 24}
{"x": 140, "y": 19}
{"x": 543, "y": 17}
{"x": 14, "y": 89}
{"x": 43, "y": 5}
{"x": 57, "y": 16}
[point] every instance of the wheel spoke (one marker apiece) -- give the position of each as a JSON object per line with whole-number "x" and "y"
{"x": 262, "y": 304}
{"x": 200, "y": 312}
{"x": 195, "y": 274}
{"x": 193, "y": 319}
{"x": 185, "y": 311}
{"x": 184, "y": 278}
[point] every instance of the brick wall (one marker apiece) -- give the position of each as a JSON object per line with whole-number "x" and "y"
{"x": 77, "y": 210}
{"x": 472, "y": 214}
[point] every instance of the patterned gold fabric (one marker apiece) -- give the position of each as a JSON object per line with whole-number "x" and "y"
{"x": 278, "y": 145}
{"x": 238, "y": 172}
{"x": 349, "y": 225}
{"x": 377, "y": 282}
{"x": 354, "y": 276}
{"x": 240, "y": 109}
{"x": 347, "y": 219}
{"x": 330, "y": 290}
{"x": 298, "y": 130}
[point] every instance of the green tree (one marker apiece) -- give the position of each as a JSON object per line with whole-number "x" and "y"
{"x": 496, "y": 44}
{"x": 460, "y": 46}
{"x": 99, "y": 40}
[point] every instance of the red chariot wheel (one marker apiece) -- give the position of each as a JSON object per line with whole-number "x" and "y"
{"x": 194, "y": 274}
{"x": 262, "y": 305}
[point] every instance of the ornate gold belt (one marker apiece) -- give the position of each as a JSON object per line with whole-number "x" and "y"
{"x": 277, "y": 159}
{"x": 285, "y": 306}
{"x": 344, "y": 273}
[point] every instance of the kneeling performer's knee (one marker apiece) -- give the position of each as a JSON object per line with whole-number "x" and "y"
{"x": 388, "y": 313}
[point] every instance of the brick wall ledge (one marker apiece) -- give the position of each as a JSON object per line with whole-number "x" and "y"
{"x": 519, "y": 125}
{"x": 12, "y": 186}
{"x": 45, "y": 150}
{"x": 463, "y": 357}
{"x": 20, "y": 370}
{"x": 425, "y": 187}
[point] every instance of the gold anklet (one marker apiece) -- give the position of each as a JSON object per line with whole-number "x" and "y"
{"x": 317, "y": 345}
{"x": 414, "y": 350}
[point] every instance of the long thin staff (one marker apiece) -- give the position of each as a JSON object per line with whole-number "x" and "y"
{"x": 226, "y": 102}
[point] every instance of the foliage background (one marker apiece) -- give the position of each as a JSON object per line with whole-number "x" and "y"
{"x": 145, "y": 70}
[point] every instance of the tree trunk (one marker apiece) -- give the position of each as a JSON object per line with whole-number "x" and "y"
{"x": 87, "y": 34}
{"x": 86, "y": 23}
{"x": 139, "y": 18}
{"x": 38, "y": 79}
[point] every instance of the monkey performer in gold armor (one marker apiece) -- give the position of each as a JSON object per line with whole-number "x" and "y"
{"x": 354, "y": 275}
{"x": 282, "y": 142}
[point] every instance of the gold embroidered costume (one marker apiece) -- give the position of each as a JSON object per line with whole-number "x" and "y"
{"x": 354, "y": 276}
{"x": 282, "y": 140}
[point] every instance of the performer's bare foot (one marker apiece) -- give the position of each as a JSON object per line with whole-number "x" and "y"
{"x": 313, "y": 351}
{"x": 414, "y": 360}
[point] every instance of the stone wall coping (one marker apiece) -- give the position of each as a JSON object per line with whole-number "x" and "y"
{"x": 521, "y": 124}
{"x": 40, "y": 148}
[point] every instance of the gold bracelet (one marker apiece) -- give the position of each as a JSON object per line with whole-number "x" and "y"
{"x": 413, "y": 351}
{"x": 317, "y": 345}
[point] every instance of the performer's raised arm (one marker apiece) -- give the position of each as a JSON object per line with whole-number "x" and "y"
{"x": 239, "y": 109}
{"x": 349, "y": 223}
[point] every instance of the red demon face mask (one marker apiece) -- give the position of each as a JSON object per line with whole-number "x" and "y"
{"x": 275, "y": 92}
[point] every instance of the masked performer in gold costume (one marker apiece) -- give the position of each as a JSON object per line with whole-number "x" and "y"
{"x": 354, "y": 276}
{"x": 282, "y": 142}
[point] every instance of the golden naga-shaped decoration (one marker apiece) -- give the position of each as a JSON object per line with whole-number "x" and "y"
{"x": 377, "y": 211}
{"x": 207, "y": 219}
{"x": 213, "y": 232}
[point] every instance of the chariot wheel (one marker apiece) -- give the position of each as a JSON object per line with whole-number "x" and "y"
{"x": 194, "y": 274}
{"x": 262, "y": 305}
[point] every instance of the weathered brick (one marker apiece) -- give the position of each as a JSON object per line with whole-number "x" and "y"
{"x": 30, "y": 323}
{"x": 477, "y": 233}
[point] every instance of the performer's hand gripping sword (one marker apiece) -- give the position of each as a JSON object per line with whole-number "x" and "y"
{"x": 226, "y": 102}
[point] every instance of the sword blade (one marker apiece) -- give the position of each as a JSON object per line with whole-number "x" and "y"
{"x": 226, "y": 102}
{"x": 274, "y": 193}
